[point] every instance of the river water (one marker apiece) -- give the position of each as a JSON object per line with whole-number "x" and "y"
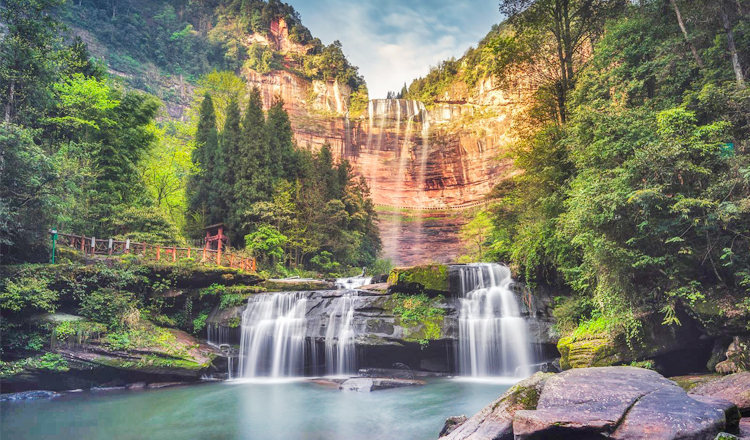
{"x": 262, "y": 409}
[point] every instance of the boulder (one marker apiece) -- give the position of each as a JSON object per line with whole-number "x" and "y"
{"x": 495, "y": 421}
{"x": 734, "y": 388}
{"x": 737, "y": 356}
{"x": 745, "y": 428}
{"x": 451, "y": 423}
{"x": 367, "y": 384}
{"x": 617, "y": 402}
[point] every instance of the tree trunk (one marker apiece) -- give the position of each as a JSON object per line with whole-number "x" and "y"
{"x": 9, "y": 104}
{"x": 736, "y": 65}
{"x": 697, "y": 56}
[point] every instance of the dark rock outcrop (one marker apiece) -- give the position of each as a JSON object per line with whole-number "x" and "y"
{"x": 605, "y": 402}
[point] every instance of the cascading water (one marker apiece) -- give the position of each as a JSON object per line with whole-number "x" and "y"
{"x": 275, "y": 342}
{"x": 492, "y": 333}
{"x": 273, "y": 335}
{"x": 339, "y": 343}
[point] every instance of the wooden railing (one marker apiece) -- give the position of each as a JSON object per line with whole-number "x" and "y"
{"x": 96, "y": 246}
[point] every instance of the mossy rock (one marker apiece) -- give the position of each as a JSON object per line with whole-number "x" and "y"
{"x": 596, "y": 352}
{"x": 431, "y": 279}
{"x": 607, "y": 348}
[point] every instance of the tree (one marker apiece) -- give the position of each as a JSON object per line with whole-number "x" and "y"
{"x": 227, "y": 162}
{"x": 570, "y": 24}
{"x": 253, "y": 181}
{"x": 206, "y": 145}
{"x": 25, "y": 52}
{"x": 281, "y": 151}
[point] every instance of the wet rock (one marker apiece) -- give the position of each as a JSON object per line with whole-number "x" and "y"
{"x": 745, "y": 428}
{"x": 617, "y": 402}
{"x": 451, "y": 423}
{"x": 495, "y": 421}
{"x": 360, "y": 385}
{"x": 136, "y": 386}
{"x": 28, "y": 395}
{"x": 366, "y": 384}
{"x": 104, "y": 389}
{"x": 734, "y": 388}
{"x": 158, "y": 385}
{"x": 731, "y": 412}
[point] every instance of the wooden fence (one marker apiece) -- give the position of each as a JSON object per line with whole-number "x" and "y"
{"x": 96, "y": 246}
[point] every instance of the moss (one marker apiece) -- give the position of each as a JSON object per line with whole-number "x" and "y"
{"x": 687, "y": 383}
{"x": 431, "y": 277}
{"x": 295, "y": 286}
{"x": 525, "y": 394}
{"x": 596, "y": 352}
{"x": 150, "y": 362}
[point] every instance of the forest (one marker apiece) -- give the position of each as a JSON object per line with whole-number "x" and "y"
{"x": 635, "y": 191}
{"x": 85, "y": 152}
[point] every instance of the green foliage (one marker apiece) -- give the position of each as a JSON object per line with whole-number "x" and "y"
{"x": 144, "y": 225}
{"x": 52, "y": 362}
{"x": 416, "y": 308}
{"x": 419, "y": 314}
{"x": 267, "y": 243}
{"x": 632, "y": 199}
{"x": 28, "y": 294}
{"x": 199, "y": 323}
{"x": 108, "y": 306}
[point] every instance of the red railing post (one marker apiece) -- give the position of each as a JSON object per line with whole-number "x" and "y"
{"x": 158, "y": 252}
{"x": 174, "y": 253}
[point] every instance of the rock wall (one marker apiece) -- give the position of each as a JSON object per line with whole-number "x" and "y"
{"x": 439, "y": 159}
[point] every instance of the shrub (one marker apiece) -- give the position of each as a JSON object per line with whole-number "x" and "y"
{"x": 107, "y": 306}
{"x": 28, "y": 294}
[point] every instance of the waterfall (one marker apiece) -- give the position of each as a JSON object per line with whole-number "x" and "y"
{"x": 492, "y": 333}
{"x": 275, "y": 343}
{"x": 273, "y": 335}
{"x": 339, "y": 342}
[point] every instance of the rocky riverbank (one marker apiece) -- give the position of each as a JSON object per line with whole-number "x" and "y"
{"x": 609, "y": 402}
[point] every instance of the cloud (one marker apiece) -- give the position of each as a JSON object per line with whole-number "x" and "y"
{"x": 393, "y": 42}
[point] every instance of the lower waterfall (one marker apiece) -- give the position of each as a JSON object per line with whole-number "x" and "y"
{"x": 492, "y": 334}
{"x": 276, "y": 341}
{"x": 339, "y": 343}
{"x": 273, "y": 335}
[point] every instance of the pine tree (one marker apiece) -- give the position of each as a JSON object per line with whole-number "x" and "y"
{"x": 206, "y": 145}
{"x": 227, "y": 163}
{"x": 283, "y": 159}
{"x": 252, "y": 179}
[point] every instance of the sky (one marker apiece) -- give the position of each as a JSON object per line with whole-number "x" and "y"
{"x": 393, "y": 42}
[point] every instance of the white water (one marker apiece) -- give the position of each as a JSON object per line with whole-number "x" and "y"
{"x": 352, "y": 282}
{"x": 339, "y": 343}
{"x": 273, "y": 336}
{"x": 492, "y": 333}
{"x": 275, "y": 342}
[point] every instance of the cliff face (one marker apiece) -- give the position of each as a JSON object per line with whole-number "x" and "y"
{"x": 439, "y": 159}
